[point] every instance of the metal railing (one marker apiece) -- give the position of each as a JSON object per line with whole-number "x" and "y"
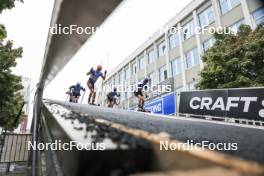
{"x": 14, "y": 150}
{"x": 69, "y": 122}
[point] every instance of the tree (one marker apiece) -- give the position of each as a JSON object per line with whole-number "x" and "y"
{"x": 11, "y": 100}
{"x": 235, "y": 60}
{"x": 7, "y": 4}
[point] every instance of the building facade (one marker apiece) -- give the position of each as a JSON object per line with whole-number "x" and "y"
{"x": 174, "y": 56}
{"x": 25, "y": 92}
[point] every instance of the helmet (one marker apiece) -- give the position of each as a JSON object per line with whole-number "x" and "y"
{"x": 115, "y": 89}
{"x": 99, "y": 67}
{"x": 146, "y": 80}
{"x": 78, "y": 83}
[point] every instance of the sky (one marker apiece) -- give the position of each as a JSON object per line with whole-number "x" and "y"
{"x": 131, "y": 24}
{"x": 122, "y": 33}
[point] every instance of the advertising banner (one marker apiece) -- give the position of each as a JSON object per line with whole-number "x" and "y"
{"x": 236, "y": 103}
{"x": 162, "y": 105}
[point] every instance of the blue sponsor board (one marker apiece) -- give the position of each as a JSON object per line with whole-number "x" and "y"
{"x": 163, "y": 105}
{"x": 155, "y": 106}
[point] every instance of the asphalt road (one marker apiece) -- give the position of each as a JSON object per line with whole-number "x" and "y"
{"x": 250, "y": 140}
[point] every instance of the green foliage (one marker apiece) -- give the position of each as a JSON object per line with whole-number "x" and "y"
{"x": 235, "y": 60}
{"x": 7, "y": 4}
{"x": 10, "y": 85}
{"x": 10, "y": 98}
{"x": 2, "y": 32}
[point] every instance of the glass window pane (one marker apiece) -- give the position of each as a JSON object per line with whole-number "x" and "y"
{"x": 177, "y": 39}
{"x": 119, "y": 78}
{"x": 192, "y": 28}
{"x": 179, "y": 68}
{"x": 172, "y": 41}
{"x": 224, "y": 6}
{"x": 196, "y": 56}
{"x": 236, "y": 26}
{"x": 127, "y": 75}
{"x": 141, "y": 63}
{"x": 191, "y": 86}
{"x": 206, "y": 17}
{"x": 188, "y": 60}
{"x": 202, "y": 20}
{"x": 188, "y": 30}
{"x": 153, "y": 78}
{"x": 161, "y": 48}
{"x": 134, "y": 68}
{"x": 176, "y": 66}
{"x": 173, "y": 67}
{"x": 151, "y": 57}
{"x": 234, "y": 3}
{"x": 258, "y": 16}
{"x": 208, "y": 43}
{"x": 210, "y": 14}
{"x": 162, "y": 73}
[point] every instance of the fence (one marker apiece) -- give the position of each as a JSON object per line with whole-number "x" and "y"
{"x": 13, "y": 149}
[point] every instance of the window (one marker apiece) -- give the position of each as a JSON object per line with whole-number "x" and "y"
{"x": 176, "y": 66}
{"x": 119, "y": 78}
{"x": 227, "y": 5}
{"x": 153, "y": 79}
{"x": 134, "y": 68}
{"x": 151, "y": 56}
{"x": 224, "y": 6}
{"x": 129, "y": 94}
{"x": 162, "y": 73}
{"x": 206, "y": 17}
{"x": 141, "y": 62}
{"x": 191, "y": 86}
{"x": 258, "y": 16}
{"x": 110, "y": 82}
{"x": 162, "y": 49}
{"x": 188, "y": 30}
{"x": 174, "y": 40}
{"x": 192, "y": 58}
{"x": 122, "y": 76}
{"x": 210, "y": 15}
{"x": 234, "y": 3}
{"x": 114, "y": 82}
{"x": 196, "y": 56}
{"x": 126, "y": 76}
{"x": 208, "y": 44}
{"x": 235, "y": 26}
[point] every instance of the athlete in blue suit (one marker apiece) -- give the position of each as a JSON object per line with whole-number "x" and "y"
{"x": 75, "y": 92}
{"x": 94, "y": 75}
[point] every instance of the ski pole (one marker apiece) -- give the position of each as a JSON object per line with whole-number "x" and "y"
{"x": 84, "y": 94}
{"x": 67, "y": 97}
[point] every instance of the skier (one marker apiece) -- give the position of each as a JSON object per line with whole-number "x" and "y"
{"x": 94, "y": 75}
{"x": 112, "y": 98}
{"x": 75, "y": 92}
{"x": 140, "y": 87}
